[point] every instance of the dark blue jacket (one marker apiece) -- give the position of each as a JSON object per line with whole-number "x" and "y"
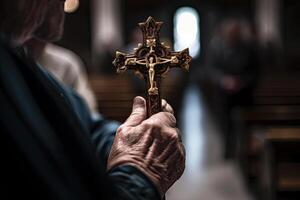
{"x": 51, "y": 148}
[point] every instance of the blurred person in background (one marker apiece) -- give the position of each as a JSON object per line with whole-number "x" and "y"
{"x": 233, "y": 64}
{"x": 66, "y": 66}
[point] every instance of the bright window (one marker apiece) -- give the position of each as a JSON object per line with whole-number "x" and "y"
{"x": 187, "y": 30}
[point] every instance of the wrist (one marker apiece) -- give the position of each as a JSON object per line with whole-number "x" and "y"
{"x": 134, "y": 177}
{"x": 148, "y": 170}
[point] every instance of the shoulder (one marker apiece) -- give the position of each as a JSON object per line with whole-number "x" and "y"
{"x": 63, "y": 57}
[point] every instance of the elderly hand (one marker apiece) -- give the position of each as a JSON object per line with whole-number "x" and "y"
{"x": 151, "y": 145}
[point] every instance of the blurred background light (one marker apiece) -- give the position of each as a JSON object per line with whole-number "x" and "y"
{"x": 187, "y": 30}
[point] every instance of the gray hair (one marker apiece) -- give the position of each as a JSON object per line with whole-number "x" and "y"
{"x": 20, "y": 18}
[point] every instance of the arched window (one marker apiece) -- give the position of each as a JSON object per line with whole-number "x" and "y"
{"x": 187, "y": 30}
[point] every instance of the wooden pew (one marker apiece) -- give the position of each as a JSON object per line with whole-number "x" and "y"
{"x": 115, "y": 93}
{"x": 284, "y": 144}
{"x": 273, "y": 152}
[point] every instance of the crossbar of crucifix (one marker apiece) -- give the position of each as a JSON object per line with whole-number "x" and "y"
{"x": 152, "y": 59}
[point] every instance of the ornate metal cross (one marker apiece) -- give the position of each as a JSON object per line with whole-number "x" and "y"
{"x": 152, "y": 59}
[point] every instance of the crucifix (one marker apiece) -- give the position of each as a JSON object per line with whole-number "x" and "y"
{"x": 152, "y": 59}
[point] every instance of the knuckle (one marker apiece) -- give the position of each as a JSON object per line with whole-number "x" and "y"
{"x": 147, "y": 124}
{"x": 171, "y": 118}
{"x": 120, "y": 129}
{"x": 173, "y": 136}
{"x": 150, "y": 124}
{"x": 123, "y": 129}
{"x": 171, "y": 109}
{"x": 179, "y": 134}
{"x": 166, "y": 118}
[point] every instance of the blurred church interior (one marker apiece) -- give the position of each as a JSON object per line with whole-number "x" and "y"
{"x": 238, "y": 107}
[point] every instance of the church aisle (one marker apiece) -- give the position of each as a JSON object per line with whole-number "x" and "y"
{"x": 207, "y": 176}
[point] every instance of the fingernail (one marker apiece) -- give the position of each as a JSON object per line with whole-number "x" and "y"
{"x": 138, "y": 100}
{"x": 138, "y": 103}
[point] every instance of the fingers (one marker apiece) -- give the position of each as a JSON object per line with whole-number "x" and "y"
{"x": 166, "y": 107}
{"x": 162, "y": 119}
{"x": 139, "y": 112}
{"x": 152, "y": 145}
{"x": 172, "y": 138}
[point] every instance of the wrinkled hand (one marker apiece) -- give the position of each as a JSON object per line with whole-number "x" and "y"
{"x": 151, "y": 145}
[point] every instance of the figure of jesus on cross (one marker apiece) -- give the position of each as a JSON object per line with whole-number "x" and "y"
{"x": 153, "y": 60}
{"x": 150, "y": 65}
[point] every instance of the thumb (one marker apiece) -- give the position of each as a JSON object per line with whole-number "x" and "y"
{"x": 139, "y": 112}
